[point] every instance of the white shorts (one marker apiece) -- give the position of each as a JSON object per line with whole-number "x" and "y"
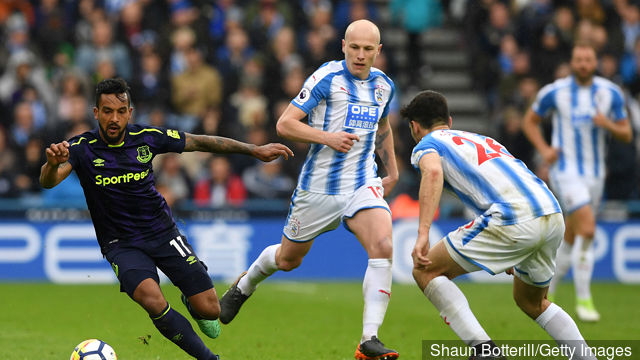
{"x": 311, "y": 214}
{"x": 574, "y": 191}
{"x": 530, "y": 247}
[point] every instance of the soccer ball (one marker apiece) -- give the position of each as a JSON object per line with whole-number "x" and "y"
{"x": 93, "y": 349}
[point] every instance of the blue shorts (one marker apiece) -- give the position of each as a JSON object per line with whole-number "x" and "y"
{"x": 171, "y": 253}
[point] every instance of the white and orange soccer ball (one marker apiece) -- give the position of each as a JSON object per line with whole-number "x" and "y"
{"x": 93, "y": 349}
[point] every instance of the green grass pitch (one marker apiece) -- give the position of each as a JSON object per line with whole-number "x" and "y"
{"x": 282, "y": 321}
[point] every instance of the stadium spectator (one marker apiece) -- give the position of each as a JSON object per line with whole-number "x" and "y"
{"x": 249, "y": 104}
{"x": 266, "y": 181}
{"x": 630, "y": 25}
{"x": 72, "y": 84}
{"x": 516, "y": 206}
{"x": 585, "y": 109}
{"x": 338, "y": 182}
{"x": 548, "y": 54}
{"x": 320, "y": 20}
{"x": 151, "y": 85}
{"x": 182, "y": 39}
{"x": 7, "y": 189}
{"x": 198, "y": 87}
{"x": 173, "y": 181}
{"x": 28, "y": 168}
{"x": 264, "y": 19}
{"x": 608, "y": 68}
{"x": 133, "y": 235}
{"x": 220, "y": 187}
{"x": 227, "y": 16}
{"x": 281, "y": 59}
{"x": 130, "y": 29}
{"x": 24, "y": 126}
{"x": 104, "y": 49}
{"x": 16, "y": 38}
{"x": 51, "y": 26}
{"x": 7, "y": 161}
{"x": 24, "y": 70}
{"x": 511, "y": 135}
{"x": 316, "y": 52}
{"x": 232, "y": 57}
{"x": 210, "y": 124}
{"x": 347, "y": 11}
{"x": 508, "y": 84}
{"x": 485, "y": 67}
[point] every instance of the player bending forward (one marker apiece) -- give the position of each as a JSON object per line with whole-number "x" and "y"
{"x": 518, "y": 229}
{"x": 133, "y": 222}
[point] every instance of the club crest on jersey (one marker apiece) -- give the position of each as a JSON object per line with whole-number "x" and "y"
{"x": 144, "y": 154}
{"x": 294, "y": 225}
{"x": 304, "y": 95}
{"x": 379, "y": 92}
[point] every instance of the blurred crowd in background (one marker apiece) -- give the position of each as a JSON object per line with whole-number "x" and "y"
{"x": 230, "y": 68}
{"x": 519, "y": 46}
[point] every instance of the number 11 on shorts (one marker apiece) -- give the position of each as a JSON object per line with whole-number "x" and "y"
{"x": 175, "y": 244}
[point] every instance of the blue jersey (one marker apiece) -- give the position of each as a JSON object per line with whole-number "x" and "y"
{"x": 119, "y": 186}
{"x": 486, "y": 177}
{"x": 572, "y": 107}
{"x": 338, "y": 101}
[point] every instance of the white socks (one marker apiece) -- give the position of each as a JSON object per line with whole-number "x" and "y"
{"x": 563, "y": 263}
{"x": 561, "y": 327}
{"x": 583, "y": 267}
{"x": 583, "y": 261}
{"x": 376, "y": 289}
{"x": 262, "y": 268}
{"x": 454, "y": 310}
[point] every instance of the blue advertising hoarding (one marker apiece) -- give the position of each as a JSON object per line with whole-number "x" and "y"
{"x": 67, "y": 252}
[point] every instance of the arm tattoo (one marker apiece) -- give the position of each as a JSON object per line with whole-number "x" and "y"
{"x": 380, "y": 138}
{"x": 215, "y": 144}
{"x": 384, "y": 156}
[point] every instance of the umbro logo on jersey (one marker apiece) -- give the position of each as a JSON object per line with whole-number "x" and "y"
{"x": 98, "y": 162}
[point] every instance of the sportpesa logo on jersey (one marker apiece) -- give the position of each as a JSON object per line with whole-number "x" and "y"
{"x": 121, "y": 179}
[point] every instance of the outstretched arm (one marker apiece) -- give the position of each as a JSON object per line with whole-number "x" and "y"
{"x": 431, "y": 185}
{"x": 290, "y": 127}
{"x": 223, "y": 145}
{"x": 386, "y": 152}
{"x": 57, "y": 167}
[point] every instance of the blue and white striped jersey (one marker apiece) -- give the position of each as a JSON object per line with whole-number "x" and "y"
{"x": 486, "y": 177}
{"x": 581, "y": 143}
{"x": 338, "y": 101}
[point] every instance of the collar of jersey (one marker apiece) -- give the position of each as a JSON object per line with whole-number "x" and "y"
{"x": 126, "y": 133}
{"x": 350, "y": 76}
